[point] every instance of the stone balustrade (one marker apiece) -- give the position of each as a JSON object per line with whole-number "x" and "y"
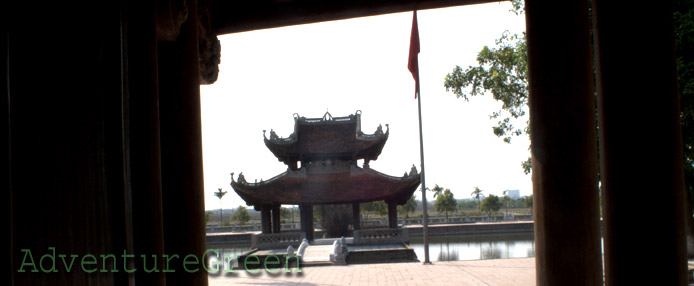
{"x": 277, "y": 240}
{"x": 380, "y": 236}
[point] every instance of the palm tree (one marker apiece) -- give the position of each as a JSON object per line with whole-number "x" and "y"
{"x": 529, "y": 203}
{"x": 476, "y": 194}
{"x": 506, "y": 200}
{"x": 437, "y": 190}
{"x": 220, "y": 194}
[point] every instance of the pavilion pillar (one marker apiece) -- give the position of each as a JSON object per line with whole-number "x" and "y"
{"x": 392, "y": 215}
{"x": 142, "y": 142}
{"x": 564, "y": 143}
{"x": 276, "y": 222}
{"x": 183, "y": 194}
{"x": 306, "y": 214}
{"x": 642, "y": 79}
{"x": 265, "y": 217}
{"x": 356, "y": 217}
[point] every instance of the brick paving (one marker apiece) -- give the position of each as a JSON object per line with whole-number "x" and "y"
{"x": 511, "y": 272}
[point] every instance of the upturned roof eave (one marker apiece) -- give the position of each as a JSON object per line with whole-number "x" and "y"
{"x": 355, "y": 186}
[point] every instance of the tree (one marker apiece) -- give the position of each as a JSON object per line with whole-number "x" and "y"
{"x": 219, "y": 193}
{"x": 503, "y": 71}
{"x": 529, "y": 203}
{"x": 285, "y": 213}
{"x": 240, "y": 215}
{"x": 409, "y": 206}
{"x": 437, "y": 190}
{"x": 477, "y": 193}
{"x": 506, "y": 200}
{"x": 491, "y": 204}
{"x": 466, "y": 204}
{"x": 378, "y": 207}
{"x": 446, "y": 203}
{"x": 335, "y": 219}
{"x": 208, "y": 214}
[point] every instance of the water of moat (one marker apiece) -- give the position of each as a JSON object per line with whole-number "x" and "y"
{"x": 451, "y": 248}
{"x": 474, "y": 247}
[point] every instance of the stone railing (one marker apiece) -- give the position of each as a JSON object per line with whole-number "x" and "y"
{"x": 383, "y": 222}
{"x": 380, "y": 236}
{"x": 277, "y": 240}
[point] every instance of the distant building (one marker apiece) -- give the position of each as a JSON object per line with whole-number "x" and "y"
{"x": 514, "y": 194}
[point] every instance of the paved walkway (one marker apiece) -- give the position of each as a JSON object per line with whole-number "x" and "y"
{"x": 517, "y": 271}
{"x": 317, "y": 253}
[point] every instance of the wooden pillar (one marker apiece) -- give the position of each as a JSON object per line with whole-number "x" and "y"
{"x": 306, "y": 214}
{"x": 181, "y": 149}
{"x": 392, "y": 215}
{"x": 265, "y": 219}
{"x": 5, "y": 154}
{"x": 564, "y": 143}
{"x": 78, "y": 198}
{"x": 356, "y": 217}
{"x": 640, "y": 79}
{"x": 309, "y": 220}
{"x": 141, "y": 104}
{"x": 276, "y": 221}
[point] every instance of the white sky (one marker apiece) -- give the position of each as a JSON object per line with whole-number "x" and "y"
{"x": 361, "y": 64}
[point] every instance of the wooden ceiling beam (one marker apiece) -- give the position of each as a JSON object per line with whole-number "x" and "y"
{"x": 230, "y": 16}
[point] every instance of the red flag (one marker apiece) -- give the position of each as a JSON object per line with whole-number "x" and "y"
{"x": 413, "y": 62}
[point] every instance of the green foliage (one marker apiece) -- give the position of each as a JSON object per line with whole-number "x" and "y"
{"x": 467, "y": 205}
{"x": 491, "y": 204}
{"x": 437, "y": 190}
{"x": 380, "y": 208}
{"x": 208, "y": 214}
{"x": 219, "y": 193}
{"x": 240, "y": 215}
{"x": 684, "y": 43}
{"x": 477, "y": 193}
{"x": 503, "y": 71}
{"x": 528, "y": 201}
{"x": 506, "y": 201}
{"x": 285, "y": 213}
{"x": 335, "y": 219}
{"x": 518, "y": 7}
{"x": 527, "y": 165}
{"x": 408, "y": 207}
{"x": 445, "y": 202}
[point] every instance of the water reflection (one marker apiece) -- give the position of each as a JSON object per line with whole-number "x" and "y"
{"x": 473, "y": 247}
{"x": 441, "y": 248}
{"x": 227, "y": 254}
{"x": 447, "y": 255}
{"x": 491, "y": 252}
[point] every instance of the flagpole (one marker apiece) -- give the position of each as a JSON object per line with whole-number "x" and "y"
{"x": 425, "y": 216}
{"x": 413, "y": 66}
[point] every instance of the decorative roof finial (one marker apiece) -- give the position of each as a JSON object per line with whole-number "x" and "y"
{"x": 327, "y": 116}
{"x": 413, "y": 171}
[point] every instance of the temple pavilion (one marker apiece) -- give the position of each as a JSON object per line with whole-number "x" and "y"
{"x": 321, "y": 157}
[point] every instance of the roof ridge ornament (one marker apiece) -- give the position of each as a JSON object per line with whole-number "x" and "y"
{"x": 327, "y": 116}
{"x": 413, "y": 171}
